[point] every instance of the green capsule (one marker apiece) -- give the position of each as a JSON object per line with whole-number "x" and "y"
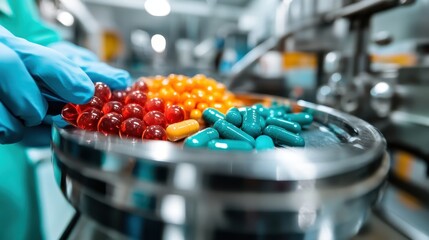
{"x": 263, "y": 122}
{"x": 201, "y": 138}
{"x": 233, "y": 116}
{"x": 229, "y": 131}
{"x": 301, "y": 118}
{"x": 287, "y": 125}
{"x": 211, "y": 115}
{"x": 284, "y": 137}
{"x": 251, "y": 123}
{"x": 229, "y": 145}
{"x": 264, "y": 142}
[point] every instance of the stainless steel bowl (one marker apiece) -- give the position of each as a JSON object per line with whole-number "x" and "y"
{"x": 158, "y": 190}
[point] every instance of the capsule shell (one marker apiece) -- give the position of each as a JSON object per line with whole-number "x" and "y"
{"x": 278, "y": 111}
{"x": 211, "y": 115}
{"x": 242, "y": 110}
{"x": 264, "y": 142}
{"x": 201, "y": 138}
{"x": 262, "y": 111}
{"x": 284, "y": 137}
{"x": 263, "y": 122}
{"x": 182, "y": 129}
{"x": 233, "y": 116}
{"x": 251, "y": 123}
{"x": 287, "y": 125}
{"x": 229, "y": 131}
{"x": 301, "y": 118}
{"x": 229, "y": 145}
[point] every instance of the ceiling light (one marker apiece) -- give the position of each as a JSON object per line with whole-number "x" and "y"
{"x": 158, "y": 8}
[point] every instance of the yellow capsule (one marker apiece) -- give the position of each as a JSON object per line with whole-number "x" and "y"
{"x": 182, "y": 129}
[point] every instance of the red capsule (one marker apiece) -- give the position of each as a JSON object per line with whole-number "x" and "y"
{"x": 155, "y": 104}
{"x": 140, "y": 85}
{"x": 102, "y": 91}
{"x": 110, "y": 123}
{"x": 154, "y": 118}
{"x": 174, "y": 114}
{"x": 132, "y": 110}
{"x": 69, "y": 113}
{"x": 119, "y": 95}
{"x": 132, "y": 129}
{"x": 155, "y": 132}
{"x": 88, "y": 119}
{"x": 138, "y": 97}
{"x": 112, "y": 106}
{"x": 95, "y": 102}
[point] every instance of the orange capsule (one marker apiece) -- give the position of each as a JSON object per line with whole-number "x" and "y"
{"x": 179, "y": 86}
{"x": 164, "y": 93}
{"x": 196, "y": 114}
{"x": 185, "y": 96}
{"x": 209, "y": 99}
{"x": 189, "y": 104}
{"x": 200, "y": 94}
{"x": 217, "y": 96}
{"x": 217, "y": 106}
{"x": 189, "y": 84}
{"x": 202, "y": 106}
{"x": 220, "y": 87}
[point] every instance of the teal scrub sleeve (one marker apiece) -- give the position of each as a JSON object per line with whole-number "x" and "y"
{"x": 24, "y": 21}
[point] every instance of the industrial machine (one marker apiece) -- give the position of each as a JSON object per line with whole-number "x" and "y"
{"x": 352, "y": 63}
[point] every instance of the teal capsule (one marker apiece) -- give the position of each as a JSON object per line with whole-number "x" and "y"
{"x": 264, "y": 142}
{"x": 281, "y": 136}
{"x": 301, "y": 118}
{"x": 242, "y": 110}
{"x": 229, "y": 145}
{"x": 262, "y": 111}
{"x": 278, "y": 111}
{"x": 263, "y": 122}
{"x": 211, "y": 115}
{"x": 233, "y": 116}
{"x": 287, "y": 125}
{"x": 229, "y": 131}
{"x": 201, "y": 138}
{"x": 251, "y": 123}
{"x": 287, "y": 108}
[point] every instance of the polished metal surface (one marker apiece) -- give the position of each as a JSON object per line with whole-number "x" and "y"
{"x": 151, "y": 189}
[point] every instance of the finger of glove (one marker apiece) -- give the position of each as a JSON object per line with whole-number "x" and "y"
{"x": 11, "y": 129}
{"x": 18, "y": 91}
{"x": 73, "y": 52}
{"x": 101, "y": 72}
{"x": 55, "y": 119}
{"x": 54, "y": 71}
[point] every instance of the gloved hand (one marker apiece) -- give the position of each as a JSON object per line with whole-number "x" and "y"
{"x": 29, "y": 75}
{"x": 91, "y": 65}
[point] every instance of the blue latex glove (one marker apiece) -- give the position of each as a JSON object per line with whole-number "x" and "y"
{"x": 29, "y": 75}
{"x": 91, "y": 65}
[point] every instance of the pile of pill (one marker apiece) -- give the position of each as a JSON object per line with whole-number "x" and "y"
{"x": 249, "y": 128}
{"x": 176, "y": 107}
{"x": 148, "y": 111}
{"x": 193, "y": 94}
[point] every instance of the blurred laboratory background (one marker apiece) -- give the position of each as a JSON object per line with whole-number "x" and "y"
{"x": 369, "y": 58}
